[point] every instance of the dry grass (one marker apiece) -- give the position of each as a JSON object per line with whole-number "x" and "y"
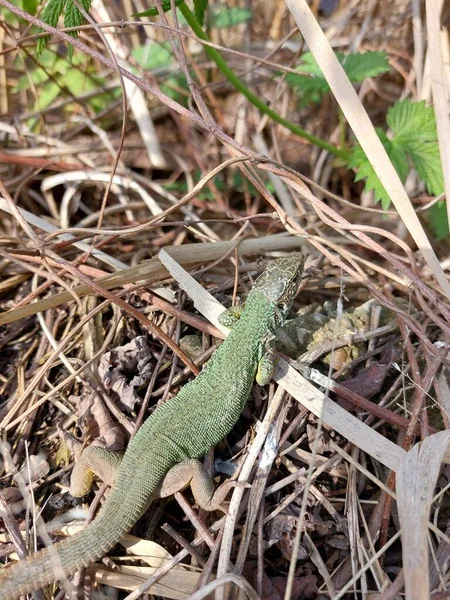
{"x": 349, "y": 496}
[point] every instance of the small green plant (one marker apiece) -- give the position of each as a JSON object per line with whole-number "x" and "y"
{"x": 54, "y": 73}
{"x": 153, "y": 56}
{"x": 72, "y": 18}
{"x": 230, "y": 17}
{"x": 230, "y": 182}
{"x": 358, "y": 67}
{"x": 159, "y": 56}
{"x": 412, "y": 142}
{"x": 410, "y": 139}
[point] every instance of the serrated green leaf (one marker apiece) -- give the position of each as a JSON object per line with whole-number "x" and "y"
{"x": 414, "y": 128}
{"x": 229, "y": 17}
{"x": 360, "y": 66}
{"x": 412, "y": 121}
{"x": 153, "y": 56}
{"x": 53, "y": 11}
{"x": 308, "y": 84}
{"x": 427, "y": 162}
{"x": 357, "y": 67}
{"x": 74, "y": 18}
{"x": 397, "y": 155}
{"x": 199, "y": 10}
{"x": 365, "y": 171}
{"x": 153, "y": 12}
{"x": 359, "y": 160}
{"x": 50, "y": 15}
{"x": 437, "y": 216}
{"x": 415, "y": 138}
{"x": 41, "y": 43}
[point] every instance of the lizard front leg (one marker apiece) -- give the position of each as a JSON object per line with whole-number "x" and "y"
{"x": 231, "y": 315}
{"x": 266, "y": 363}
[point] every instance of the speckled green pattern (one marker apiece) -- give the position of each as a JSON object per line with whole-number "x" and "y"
{"x": 187, "y": 426}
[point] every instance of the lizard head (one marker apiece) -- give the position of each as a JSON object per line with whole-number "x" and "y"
{"x": 280, "y": 279}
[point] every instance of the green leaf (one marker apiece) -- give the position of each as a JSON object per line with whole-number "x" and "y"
{"x": 30, "y": 6}
{"x": 414, "y": 128}
{"x": 357, "y": 67}
{"x": 415, "y": 139}
{"x": 199, "y": 10}
{"x": 39, "y": 76}
{"x": 427, "y": 162}
{"x": 438, "y": 220}
{"x": 173, "y": 86}
{"x": 152, "y": 56}
{"x": 51, "y": 61}
{"x": 153, "y": 12}
{"x": 50, "y": 15}
{"x": 74, "y": 18}
{"x": 53, "y": 11}
{"x": 309, "y": 84}
{"x": 359, "y": 160}
{"x": 77, "y": 82}
{"x": 412, "y": 121}
{"x": 22, "y": 84}
{"x": 363, "y": 65}
{"x": 229, "y": 17}
{"x": 365, "y": 171}
{"x": 49, "y": 92}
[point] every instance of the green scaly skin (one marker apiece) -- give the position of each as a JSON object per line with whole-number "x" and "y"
{"x": 187, "y": 426}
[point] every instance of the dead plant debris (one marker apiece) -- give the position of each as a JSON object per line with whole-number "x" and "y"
{"x": 346, "y": 451}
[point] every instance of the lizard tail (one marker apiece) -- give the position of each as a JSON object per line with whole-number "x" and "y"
{"x": 66, "y": 557}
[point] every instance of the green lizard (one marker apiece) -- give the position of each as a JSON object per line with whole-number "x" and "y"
{"x": 163, "y": 455}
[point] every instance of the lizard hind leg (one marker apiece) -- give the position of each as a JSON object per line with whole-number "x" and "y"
{"x": 192, "y": 473}
{"x": 94, "y": 460}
